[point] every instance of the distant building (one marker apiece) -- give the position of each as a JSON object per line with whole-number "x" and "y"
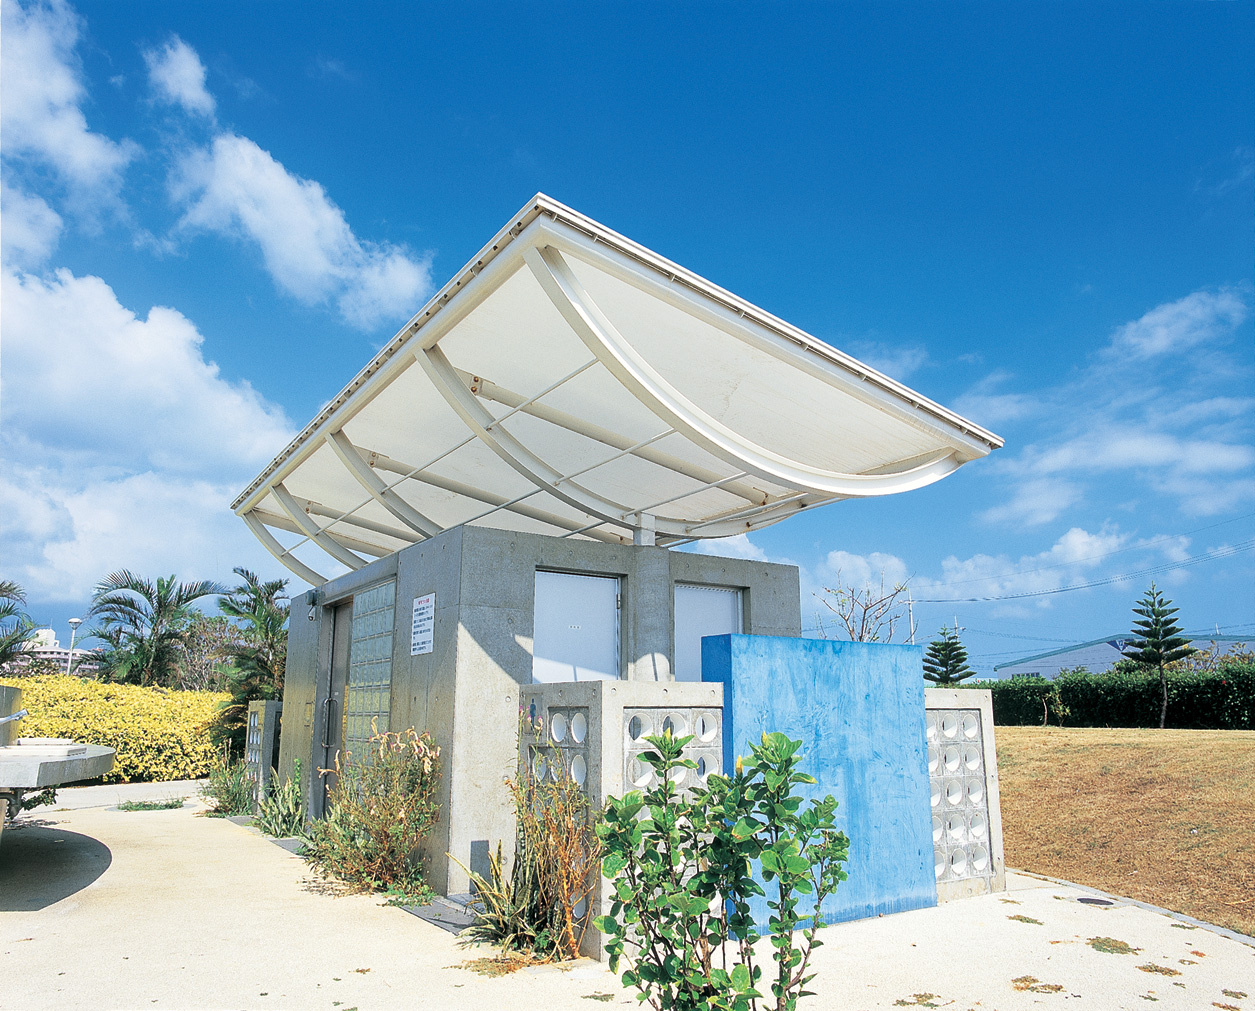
{"x": 43, "y": 645}
{"x": 1098, "y": 655}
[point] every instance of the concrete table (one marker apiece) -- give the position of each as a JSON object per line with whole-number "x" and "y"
{"x": 36, "y": 763}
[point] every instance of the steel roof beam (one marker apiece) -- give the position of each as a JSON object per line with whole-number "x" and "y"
{"x": 281, "y": 521}
{"x": 295, "y": 565}
{"x": 495, "y": 436}
{"x": 601, "y": 337}
{"x": 313, "y": 531}
{"x": 489, "y": 390}
{"x": 356, "y": 464}
{"x": 381, "y": 462}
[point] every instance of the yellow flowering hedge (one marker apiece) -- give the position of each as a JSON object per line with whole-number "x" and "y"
{"x": 158, "y": 734}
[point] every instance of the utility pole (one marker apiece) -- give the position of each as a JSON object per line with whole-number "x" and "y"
{"x": 910, "y": 615}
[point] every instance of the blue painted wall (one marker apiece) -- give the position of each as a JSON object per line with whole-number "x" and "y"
{"x": 858, "y": 708}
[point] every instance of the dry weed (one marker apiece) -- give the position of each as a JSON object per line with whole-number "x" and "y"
{"x": 1163, "y": 816}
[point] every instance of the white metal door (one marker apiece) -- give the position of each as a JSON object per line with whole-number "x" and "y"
{"x": 576, "y": 628}
{"x": 699, "y": 611}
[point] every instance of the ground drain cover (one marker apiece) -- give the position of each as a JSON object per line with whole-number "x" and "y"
{"x": 1094, "y": 900}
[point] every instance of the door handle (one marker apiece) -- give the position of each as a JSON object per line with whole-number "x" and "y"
{"x": 326, "y": 721}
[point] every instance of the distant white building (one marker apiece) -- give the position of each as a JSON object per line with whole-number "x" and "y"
{"x": 1098, "y": 655}
{"x": 43, "y": 645}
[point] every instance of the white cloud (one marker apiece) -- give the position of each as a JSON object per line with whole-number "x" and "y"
{"x": 235, "y": 188}
{"x": 30, "y": 227}
{"x": 989, "y": 404}
{"x": 42, "y": 89}
{"x": 122, "y": 444}
{"x": 1177, "y": 326}
{"x": 738, "y": 546}
{"x": 178, "y": 77}
{"x": 1161, "y": 408}
{"x": 898, "y": 361}
{"x": 862, "y": 572}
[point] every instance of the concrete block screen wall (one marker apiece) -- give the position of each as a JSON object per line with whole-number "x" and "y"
{"x": 963, "y": 781}
{"x": 858, "y": 708}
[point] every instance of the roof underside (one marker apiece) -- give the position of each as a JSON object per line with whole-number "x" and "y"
{"x": 572, "y": 383}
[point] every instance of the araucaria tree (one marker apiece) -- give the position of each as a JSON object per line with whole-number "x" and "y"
{"x": 945, "y": 662}
{"x": 1157, "y": 640}
{"x": 143, "y": 624}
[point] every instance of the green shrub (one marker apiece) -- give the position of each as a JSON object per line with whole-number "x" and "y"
{"x": 282, "y": 812}
{"x": 543, "y": 908}
{"x": 229, "y": 788}
{"x": 681, "y": 868}
{"x": 382, "y": 806}
{"x": 158, "y": 733}
{"x": 1128, "y": 696}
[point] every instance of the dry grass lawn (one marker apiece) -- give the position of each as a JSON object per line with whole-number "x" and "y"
{"x": 1164, "y": 816}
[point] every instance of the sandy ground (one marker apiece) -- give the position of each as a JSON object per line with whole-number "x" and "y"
{"x": 165, "y": 909}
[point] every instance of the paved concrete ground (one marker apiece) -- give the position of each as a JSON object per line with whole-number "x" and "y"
{"x": 164, "y": 909}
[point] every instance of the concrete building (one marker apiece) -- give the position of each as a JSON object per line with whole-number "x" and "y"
{"x": 1099, "y": 655}
{"x": 498, "y": 489}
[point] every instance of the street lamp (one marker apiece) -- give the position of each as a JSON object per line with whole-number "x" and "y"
{"x": 74, "y": 624}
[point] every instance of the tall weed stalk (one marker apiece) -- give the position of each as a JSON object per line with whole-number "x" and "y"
{"x": 381, "y": 809}
{"x": 543, "y": 907}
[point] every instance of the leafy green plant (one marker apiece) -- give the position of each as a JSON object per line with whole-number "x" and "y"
{"x": 543, "y": 906}
{"x": 681, "y": 867}
{"x": 143, "y": 625}
{"x": 45, "y": 797}
{"x": 157, "y": 733}
{"x": 16, "y": 628}
{"x": 281, "y": 813}
{"x": 382, "y": 806}
{"x": 169, "y": 804}
{"x": 257, "y": 656}
{"x": 1129, "y": 695}
{"x": 229, "y": 788}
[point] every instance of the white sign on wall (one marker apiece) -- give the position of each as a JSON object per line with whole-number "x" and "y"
{"x": 423, "y": 628}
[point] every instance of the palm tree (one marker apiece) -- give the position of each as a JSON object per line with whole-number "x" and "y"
{"x": 262, "y": 610}
{"x": 143, "y": 624}
{"x": 16, "y": 628}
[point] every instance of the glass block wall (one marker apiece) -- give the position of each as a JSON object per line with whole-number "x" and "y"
{"x": 369, "y": 692}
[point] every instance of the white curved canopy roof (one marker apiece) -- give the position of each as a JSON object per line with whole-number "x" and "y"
{"x": 573, "y": 383}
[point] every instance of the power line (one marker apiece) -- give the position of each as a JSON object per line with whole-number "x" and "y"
{"x": 1224, "y": 552}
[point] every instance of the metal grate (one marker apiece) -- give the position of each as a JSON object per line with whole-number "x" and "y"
{"x": 369, "y": 692}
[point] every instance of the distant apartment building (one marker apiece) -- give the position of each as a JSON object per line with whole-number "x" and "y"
{"x": 43, "y": 645}
{"x": 1100, "y": 655}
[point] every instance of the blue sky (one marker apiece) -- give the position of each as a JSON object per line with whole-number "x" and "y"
{"x": 1042, "y": 216}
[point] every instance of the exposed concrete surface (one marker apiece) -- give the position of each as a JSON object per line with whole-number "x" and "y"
{"x": 164, "y": 909}
{"x": 75, "y": 798}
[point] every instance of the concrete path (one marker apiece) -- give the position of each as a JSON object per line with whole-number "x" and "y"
{"x": 163, "y": 909}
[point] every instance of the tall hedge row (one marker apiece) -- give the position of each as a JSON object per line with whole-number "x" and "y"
{"x": 1223, "y": 699}
{"x": 158, "y": 734}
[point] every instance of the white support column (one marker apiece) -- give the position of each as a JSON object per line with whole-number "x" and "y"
{"x": 645, "y": 535}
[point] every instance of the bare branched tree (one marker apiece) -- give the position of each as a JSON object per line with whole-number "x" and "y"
{"x": 867, "y": 613}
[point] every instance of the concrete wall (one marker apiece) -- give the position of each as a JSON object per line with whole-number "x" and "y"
{"x": 10, "y": 703}
{"x": 466, "y": 692}
{"x": 859, "y": 710}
